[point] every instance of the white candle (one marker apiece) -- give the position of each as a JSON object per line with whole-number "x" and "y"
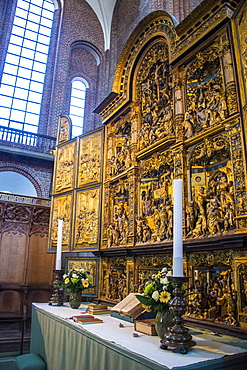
{"x": 177, "y": 229}
{"x": 59, "y": 244}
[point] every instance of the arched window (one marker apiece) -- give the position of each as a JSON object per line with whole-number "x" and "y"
{"x": 15, "y": 183}
{"x": 77, "y": 105}
{"x": 25, "y": 65}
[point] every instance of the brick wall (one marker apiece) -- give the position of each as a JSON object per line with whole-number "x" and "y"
{"x": 77, "y": 49}
{"x": 39, "y": 172}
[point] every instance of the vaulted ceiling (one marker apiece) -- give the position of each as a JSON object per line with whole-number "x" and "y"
{"x": 104, "y": 10}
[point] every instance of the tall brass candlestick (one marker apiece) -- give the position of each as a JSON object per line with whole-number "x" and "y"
{"x": 57, "y": 297}
{"x": 178, "y": 335}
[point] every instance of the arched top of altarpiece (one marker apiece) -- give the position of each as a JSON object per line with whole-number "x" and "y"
{"x": 155, "y": 27}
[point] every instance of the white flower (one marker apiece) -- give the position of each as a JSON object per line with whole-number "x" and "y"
{"x": 155, "y": 295}
{"x": 169, "y": 273}
{"x": 64, "y": 276}
{"x": 74, "y": 276}
{"x": 164, "y": 281}
{"x": 164, "y": 269}
{"x": 82, "y": 270}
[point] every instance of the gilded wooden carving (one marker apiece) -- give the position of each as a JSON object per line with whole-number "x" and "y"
{"x": 154, "y": 95}
{"x": 65, "y": 170}
{"x": 90, "y": 158}
{"x": 87, "y": 218}
{"x": 61, "y": 209}
{"x": 205, "y": 94}
{"x": 120, "y": 156}
{"x": 118, "y": 227}
{"x": 155, "y": 217}
{"x": 64, "y": 130}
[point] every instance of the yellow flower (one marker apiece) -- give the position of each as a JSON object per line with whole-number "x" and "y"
{"x": 66, "y": 281}
{"x": 147, "y": 308}
{"x": 165, "y": 296}
{"x": 85, "y": 283}
{"x": 158, "y": 275}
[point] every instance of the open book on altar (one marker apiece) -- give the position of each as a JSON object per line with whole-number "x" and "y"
{"x": 129, "y": 306}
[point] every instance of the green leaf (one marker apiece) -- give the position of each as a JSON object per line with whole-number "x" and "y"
{"x": 143, "y": 299}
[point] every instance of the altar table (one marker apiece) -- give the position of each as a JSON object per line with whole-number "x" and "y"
{"x": 66, "y": 345}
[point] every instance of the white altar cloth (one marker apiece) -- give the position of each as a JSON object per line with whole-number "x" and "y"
{"x": 144, "y": 345}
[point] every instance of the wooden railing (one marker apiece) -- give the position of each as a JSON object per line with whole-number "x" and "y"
{"x": 27, "y": 140}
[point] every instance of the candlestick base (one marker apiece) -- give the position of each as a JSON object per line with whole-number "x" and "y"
{"x": 178, "y": 335}
{"x": 57, "y": 297}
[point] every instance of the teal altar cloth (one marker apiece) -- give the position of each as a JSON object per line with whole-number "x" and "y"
{"x": 66, "y": 345}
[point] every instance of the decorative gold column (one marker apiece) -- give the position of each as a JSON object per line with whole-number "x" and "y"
{"x": 230, "y": 85}
{"x": 237, "y": 159}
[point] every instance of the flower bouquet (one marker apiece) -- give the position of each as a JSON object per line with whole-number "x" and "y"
{"x": 75, "y": 282}
{"x": 157, "y": 295}
{"x": 157, "y": 292}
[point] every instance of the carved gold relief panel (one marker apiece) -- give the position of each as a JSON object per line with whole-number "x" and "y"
{"x": 205, "y": 93}
{"x": 217, "y": 284}
{"x": 90, "y": 158}
{"x": 64, "y": 131}
{"x": 123, "y": 275}
{"x": 87, "y": 216}
{"x": 120, "y": 153}
{"x": 155, "y": 216}
{"x": 62, "y": 207}
{"x": 114, "y": 278}
{"x": 119, "y": 214}
{"x": 211, "y": 208}
{"x": 211, "y": 95}
{"x": 153, "y": 93}
{"x": 65, "y": 167}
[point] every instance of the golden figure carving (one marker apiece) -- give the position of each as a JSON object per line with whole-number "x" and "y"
{"x": 119, "y": 228}
{"x": 213, "y": 297}
{"x": 212, "y": 212}
{"x": 154, "y": 93}
{"x": 87, "y": 217}
{"x": 64, "y": 175}
{"x": 119, "y": 145}
{"x": 205, "y": 100}
{"x": 61, "y": 210}
{"x": 64, "y": 128}
{"x": 90, "y": 158}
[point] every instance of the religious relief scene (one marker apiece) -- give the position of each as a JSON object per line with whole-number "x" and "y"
{"x": 211, "y": 208}
{"x": 206, "y": 104}
{"x": 154, "y": 94}
{"x": 154, "y": 223}
{"x": 90, "y": 158}
{"x": 216, "y": 287}
{"x": 121, "y": 277}
{"x": 118, "y": 227}
{"x": 65, "y": 168}
{"x": 87, "y": 218}
{"x": 120, "y": 154}
{"x": 62, "y": 210}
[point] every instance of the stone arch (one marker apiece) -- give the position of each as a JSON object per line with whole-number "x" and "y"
{"x": 29, "y": 174}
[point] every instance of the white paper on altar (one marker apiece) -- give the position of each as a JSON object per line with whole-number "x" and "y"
{"x": 144, "y": 345}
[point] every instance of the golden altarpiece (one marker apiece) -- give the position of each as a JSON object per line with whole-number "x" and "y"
{"x": 177, "y": 110}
